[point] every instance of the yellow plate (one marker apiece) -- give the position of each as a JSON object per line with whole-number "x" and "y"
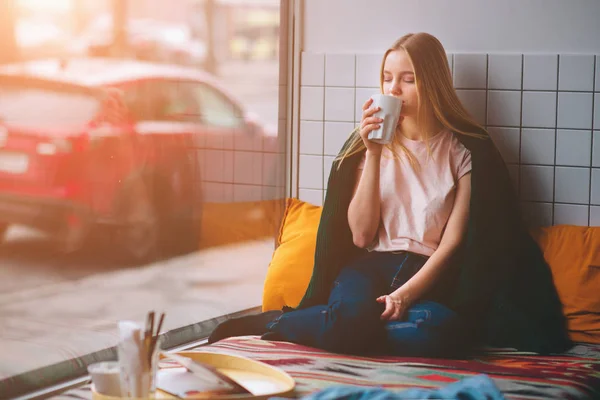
{"x": 262, "y": 380}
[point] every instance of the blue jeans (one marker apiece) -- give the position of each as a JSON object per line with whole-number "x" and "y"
{"x": 350, "y": 323}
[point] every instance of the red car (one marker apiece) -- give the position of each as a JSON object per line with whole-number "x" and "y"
{"x": 72, "y": 160}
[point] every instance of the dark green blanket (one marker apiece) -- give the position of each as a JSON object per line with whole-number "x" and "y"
{"x": 504, "y": 289}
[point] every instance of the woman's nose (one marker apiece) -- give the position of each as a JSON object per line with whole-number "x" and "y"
{"x": 395, "y": 91}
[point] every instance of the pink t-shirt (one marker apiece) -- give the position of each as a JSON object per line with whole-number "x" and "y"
{"x": 416, "y": 202}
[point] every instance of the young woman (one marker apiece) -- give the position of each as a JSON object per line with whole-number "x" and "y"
{"x": 402, "y": 265}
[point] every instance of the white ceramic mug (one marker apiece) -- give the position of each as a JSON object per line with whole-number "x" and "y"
{"x": 391, "y": 106}
{"x": 106, "y": 378}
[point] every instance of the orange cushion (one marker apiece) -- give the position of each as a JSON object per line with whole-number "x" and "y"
{"x": 226, "y": 223}
{"x": 573, "y": 253}
{"x": 292, "y": 264}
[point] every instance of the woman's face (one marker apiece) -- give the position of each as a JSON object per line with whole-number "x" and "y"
{"x": 399, "y": 81}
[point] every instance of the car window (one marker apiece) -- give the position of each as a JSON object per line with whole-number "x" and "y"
{"x": 173, "y": 101}
{"x": 31, "y": 106}
{"x": 215, "y": 109}
{"x": 135, "y": 100}
{"x": 161, "y": 100}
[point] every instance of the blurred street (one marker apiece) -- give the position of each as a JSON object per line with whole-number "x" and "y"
{"x": 54, "y": 306}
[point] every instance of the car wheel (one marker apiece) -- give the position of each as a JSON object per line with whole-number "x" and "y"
{"x": 139, "y": 223}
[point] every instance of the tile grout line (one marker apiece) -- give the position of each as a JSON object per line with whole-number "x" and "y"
{"x": 555, "y": 139}
{"x": 323, "y": 118}
{"x": 559, "y": 202}
{"x": 466, "y": 89}
{"x": 592, "y": 141}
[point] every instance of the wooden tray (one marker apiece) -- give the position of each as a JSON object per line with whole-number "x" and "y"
{"x": 262, "y": 380}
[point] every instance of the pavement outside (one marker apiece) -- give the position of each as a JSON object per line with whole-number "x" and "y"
{"x": 62, "y": 309}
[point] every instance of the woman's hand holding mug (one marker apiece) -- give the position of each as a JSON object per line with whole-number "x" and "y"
{"x": 370, "y": 123}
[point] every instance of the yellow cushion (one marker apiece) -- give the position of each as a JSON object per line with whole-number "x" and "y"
{"x": 573, "y": 253}
{"x": 292, "y": 264}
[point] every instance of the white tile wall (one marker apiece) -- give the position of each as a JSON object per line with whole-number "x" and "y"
{"x": 311, "y": 172}
{"x": 312, "y": 100}
{"x": 339, "y": 104}
{"x": 368, "y": 67}
{"x": 537, "y": 146}
{"x": 575, "y": 110}
{"x": 505, "y": 71}
{"x": 594, "y": 216}
{"x": 540, "y": 72}
{"x": 595, "y": 197}
{"x": 313, "y": 69}
{"x": 573, "y": 147}
{"x": 596, "y": 149}
{"x": 475, "y": 102}
{"x": 576, "y": 72}
{"x": 504, "y": 108}
{"x": 597, "y": 87}
{"x": 570, "y": 214}
{"x": 470, "y": 71}
{"x": 311, "y": 196}
{"x": 572, "y": 185}
{"x": 339, "y": 70}
{"x": 311, "y": 137}
{"x": 597, "y": 111}
{"x": 540, "y": 109}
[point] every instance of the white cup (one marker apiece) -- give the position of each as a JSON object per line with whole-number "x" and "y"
{"x": 391, "y": 106}
{"x": 106, "y": 378}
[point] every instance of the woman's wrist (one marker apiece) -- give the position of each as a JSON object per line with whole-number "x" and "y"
{"x": 372, "y": 153}
{"x": 401, "y": 296}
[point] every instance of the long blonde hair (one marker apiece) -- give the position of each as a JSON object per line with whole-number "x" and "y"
{"x": 435, "y": 91}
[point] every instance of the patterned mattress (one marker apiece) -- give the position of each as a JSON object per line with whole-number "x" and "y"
{"x": 571, "y": 375}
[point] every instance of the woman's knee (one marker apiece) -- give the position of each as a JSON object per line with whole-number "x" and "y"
{"x": 352, "y": 325}
{"x": 431, "y": 314}
{"x": 428, "y": 329}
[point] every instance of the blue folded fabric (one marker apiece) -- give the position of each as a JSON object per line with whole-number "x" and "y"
{"x": 478, "y": 387}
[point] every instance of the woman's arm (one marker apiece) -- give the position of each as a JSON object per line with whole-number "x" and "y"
{"x": 364, "y": 211}
{"x": 452, "y": 237}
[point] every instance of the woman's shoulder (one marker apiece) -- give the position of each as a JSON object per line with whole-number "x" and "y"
{"x": 478, "y": 142}
{"x": 454, "y": 141}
